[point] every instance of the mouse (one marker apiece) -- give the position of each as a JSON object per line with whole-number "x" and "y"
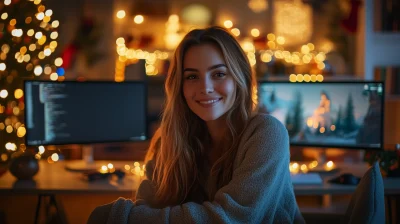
{"x": 346, "y": 179}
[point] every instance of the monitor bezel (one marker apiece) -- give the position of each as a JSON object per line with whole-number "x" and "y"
{"x": 382, "y": 146}
{"x": 144, "y": 83}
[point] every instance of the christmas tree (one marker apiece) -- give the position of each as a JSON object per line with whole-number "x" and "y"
{"x": 28, "y": 40}
{"x": 349, "y": 120}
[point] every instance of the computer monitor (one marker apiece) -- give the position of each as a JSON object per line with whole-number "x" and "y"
{"x": 69, "y": 112}
{"x": 327, "y": 114}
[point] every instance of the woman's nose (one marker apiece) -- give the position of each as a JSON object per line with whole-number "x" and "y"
{"x": 207, "y": 86}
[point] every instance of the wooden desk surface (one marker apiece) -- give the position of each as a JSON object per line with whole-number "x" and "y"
{"x": 392, "y": 185}
{"x": 55, "y": 179}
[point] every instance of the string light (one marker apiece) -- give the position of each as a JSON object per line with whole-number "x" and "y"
{"x": 235, "y": 31}
{"x": 138, "y": 19}
{"x": 306, "y": 78}
{"x": 3, "y": 93}
{"x": 255, "y": 32}
{"x": 228, "y": 24}
{"x": 121, "y": 14}
{"x": 296, "y": 167}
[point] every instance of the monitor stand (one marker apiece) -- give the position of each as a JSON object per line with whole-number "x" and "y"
{"x": 86, "y": 164}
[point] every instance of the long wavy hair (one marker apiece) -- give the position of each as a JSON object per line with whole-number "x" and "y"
{"x": 178, "y": 145}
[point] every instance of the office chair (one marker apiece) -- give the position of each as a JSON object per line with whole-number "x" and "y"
{"x": 367, "y": 204}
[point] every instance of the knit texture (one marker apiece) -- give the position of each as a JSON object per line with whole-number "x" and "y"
{"x": 260, "y": 191}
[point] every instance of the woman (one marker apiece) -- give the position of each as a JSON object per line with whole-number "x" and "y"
{"x": 212, "y": 160}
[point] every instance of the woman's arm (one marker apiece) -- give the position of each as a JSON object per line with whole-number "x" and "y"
{"x": 260, "y": 190}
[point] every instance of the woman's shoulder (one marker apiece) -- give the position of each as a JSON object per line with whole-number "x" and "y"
{"x": 265, "y": 137}
{"x": 265, "y": 122}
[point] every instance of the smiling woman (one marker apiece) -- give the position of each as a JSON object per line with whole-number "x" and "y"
{"x": 213, "y": 159}
{"x": 208, "y": 86}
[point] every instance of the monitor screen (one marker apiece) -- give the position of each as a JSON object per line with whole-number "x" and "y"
{"x": 328, "y": 114}
{"x": 58, "y": 113}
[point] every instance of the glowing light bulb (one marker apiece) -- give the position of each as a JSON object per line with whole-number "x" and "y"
{"x": 138, "y": 19}
{"x": 255, "y": 32}
{"x": 121, "y": 14}
{"x": 228, "y": 24}
{"x": 235, "y": 31}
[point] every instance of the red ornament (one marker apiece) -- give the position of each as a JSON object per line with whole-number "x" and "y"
{"x": 68, "y": 55}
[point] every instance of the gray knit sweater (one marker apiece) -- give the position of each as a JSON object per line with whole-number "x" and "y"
{"x": 260, "y": 191}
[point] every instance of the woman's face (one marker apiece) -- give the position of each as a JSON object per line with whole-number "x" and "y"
{"x": 208, "y": 86}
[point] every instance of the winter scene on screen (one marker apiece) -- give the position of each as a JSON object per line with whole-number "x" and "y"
{"x": 326, "y": 114}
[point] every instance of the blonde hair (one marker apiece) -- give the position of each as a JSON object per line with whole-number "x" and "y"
{"x": 177, "y": 147}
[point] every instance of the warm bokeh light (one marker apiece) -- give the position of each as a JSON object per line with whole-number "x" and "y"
{"x": 49, "y": 12}
{"x": 228, "y": 24}
{"x": 47, "y": 52}
{"x": 271, "y": 37}
{"x": 320, "y": 78}
{"x": 307, "y": 78}
{"x": 38, "y": 35}
{"x": 55, "y": 23}
{"x": 120, "y": 41}
{"x": 103, "y": 169}
{"x": 54, "y": 76}
{"x": 4, "y": 157}
{"x": 329, "y": 164}
{"x": 9, "y": 129}
{"x": 121, "y": 14}
{"x": 38, "y": 70}
{"x": 110, "y": 166}
{"x": 293, "y": 78}
{"x": 40, "y": 16}
{"x": 21, "y": 131}
{"x": 235, "y": 31}
{"x": 58, "y": 62}
{"x": 138, "y": 19}
{"x": 11, "y": 146}
{"x": 313, "y": 78}
{"x": 299, "y": 78}
{"x": 13, "y": 22}
{"x": 3, "y": 93}
{"x": 54, "y": 35}
{"x": 255, "y": 32}
{"x": 18, "y": 93}
{"x": 280, "y": 40}
{"x": 266, "y": 57}
{"x": 41, "y": 149}
{"x": 55, "y": 157}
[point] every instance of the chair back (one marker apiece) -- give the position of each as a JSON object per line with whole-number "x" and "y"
{"x": 367, "y": 204}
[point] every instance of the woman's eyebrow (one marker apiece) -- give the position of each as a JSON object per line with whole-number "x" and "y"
{"x": 210, "y": 68}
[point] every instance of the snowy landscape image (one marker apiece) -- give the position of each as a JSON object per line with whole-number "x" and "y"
{"x": 326, "y": 114}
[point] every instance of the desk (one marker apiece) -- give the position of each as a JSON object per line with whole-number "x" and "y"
{"x": 53, "y": 179}
{"x": 392, "y": 185}
{"x": 327, "y": 190}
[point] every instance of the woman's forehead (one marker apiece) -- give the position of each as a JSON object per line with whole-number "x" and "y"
{"x": 203, "y": 56}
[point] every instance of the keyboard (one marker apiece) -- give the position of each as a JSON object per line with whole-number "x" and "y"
{"x": 306, "y": 179}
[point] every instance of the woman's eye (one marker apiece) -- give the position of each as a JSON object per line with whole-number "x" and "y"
{"x": 219, "y": 74}
{"x": 190, "y": 77}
